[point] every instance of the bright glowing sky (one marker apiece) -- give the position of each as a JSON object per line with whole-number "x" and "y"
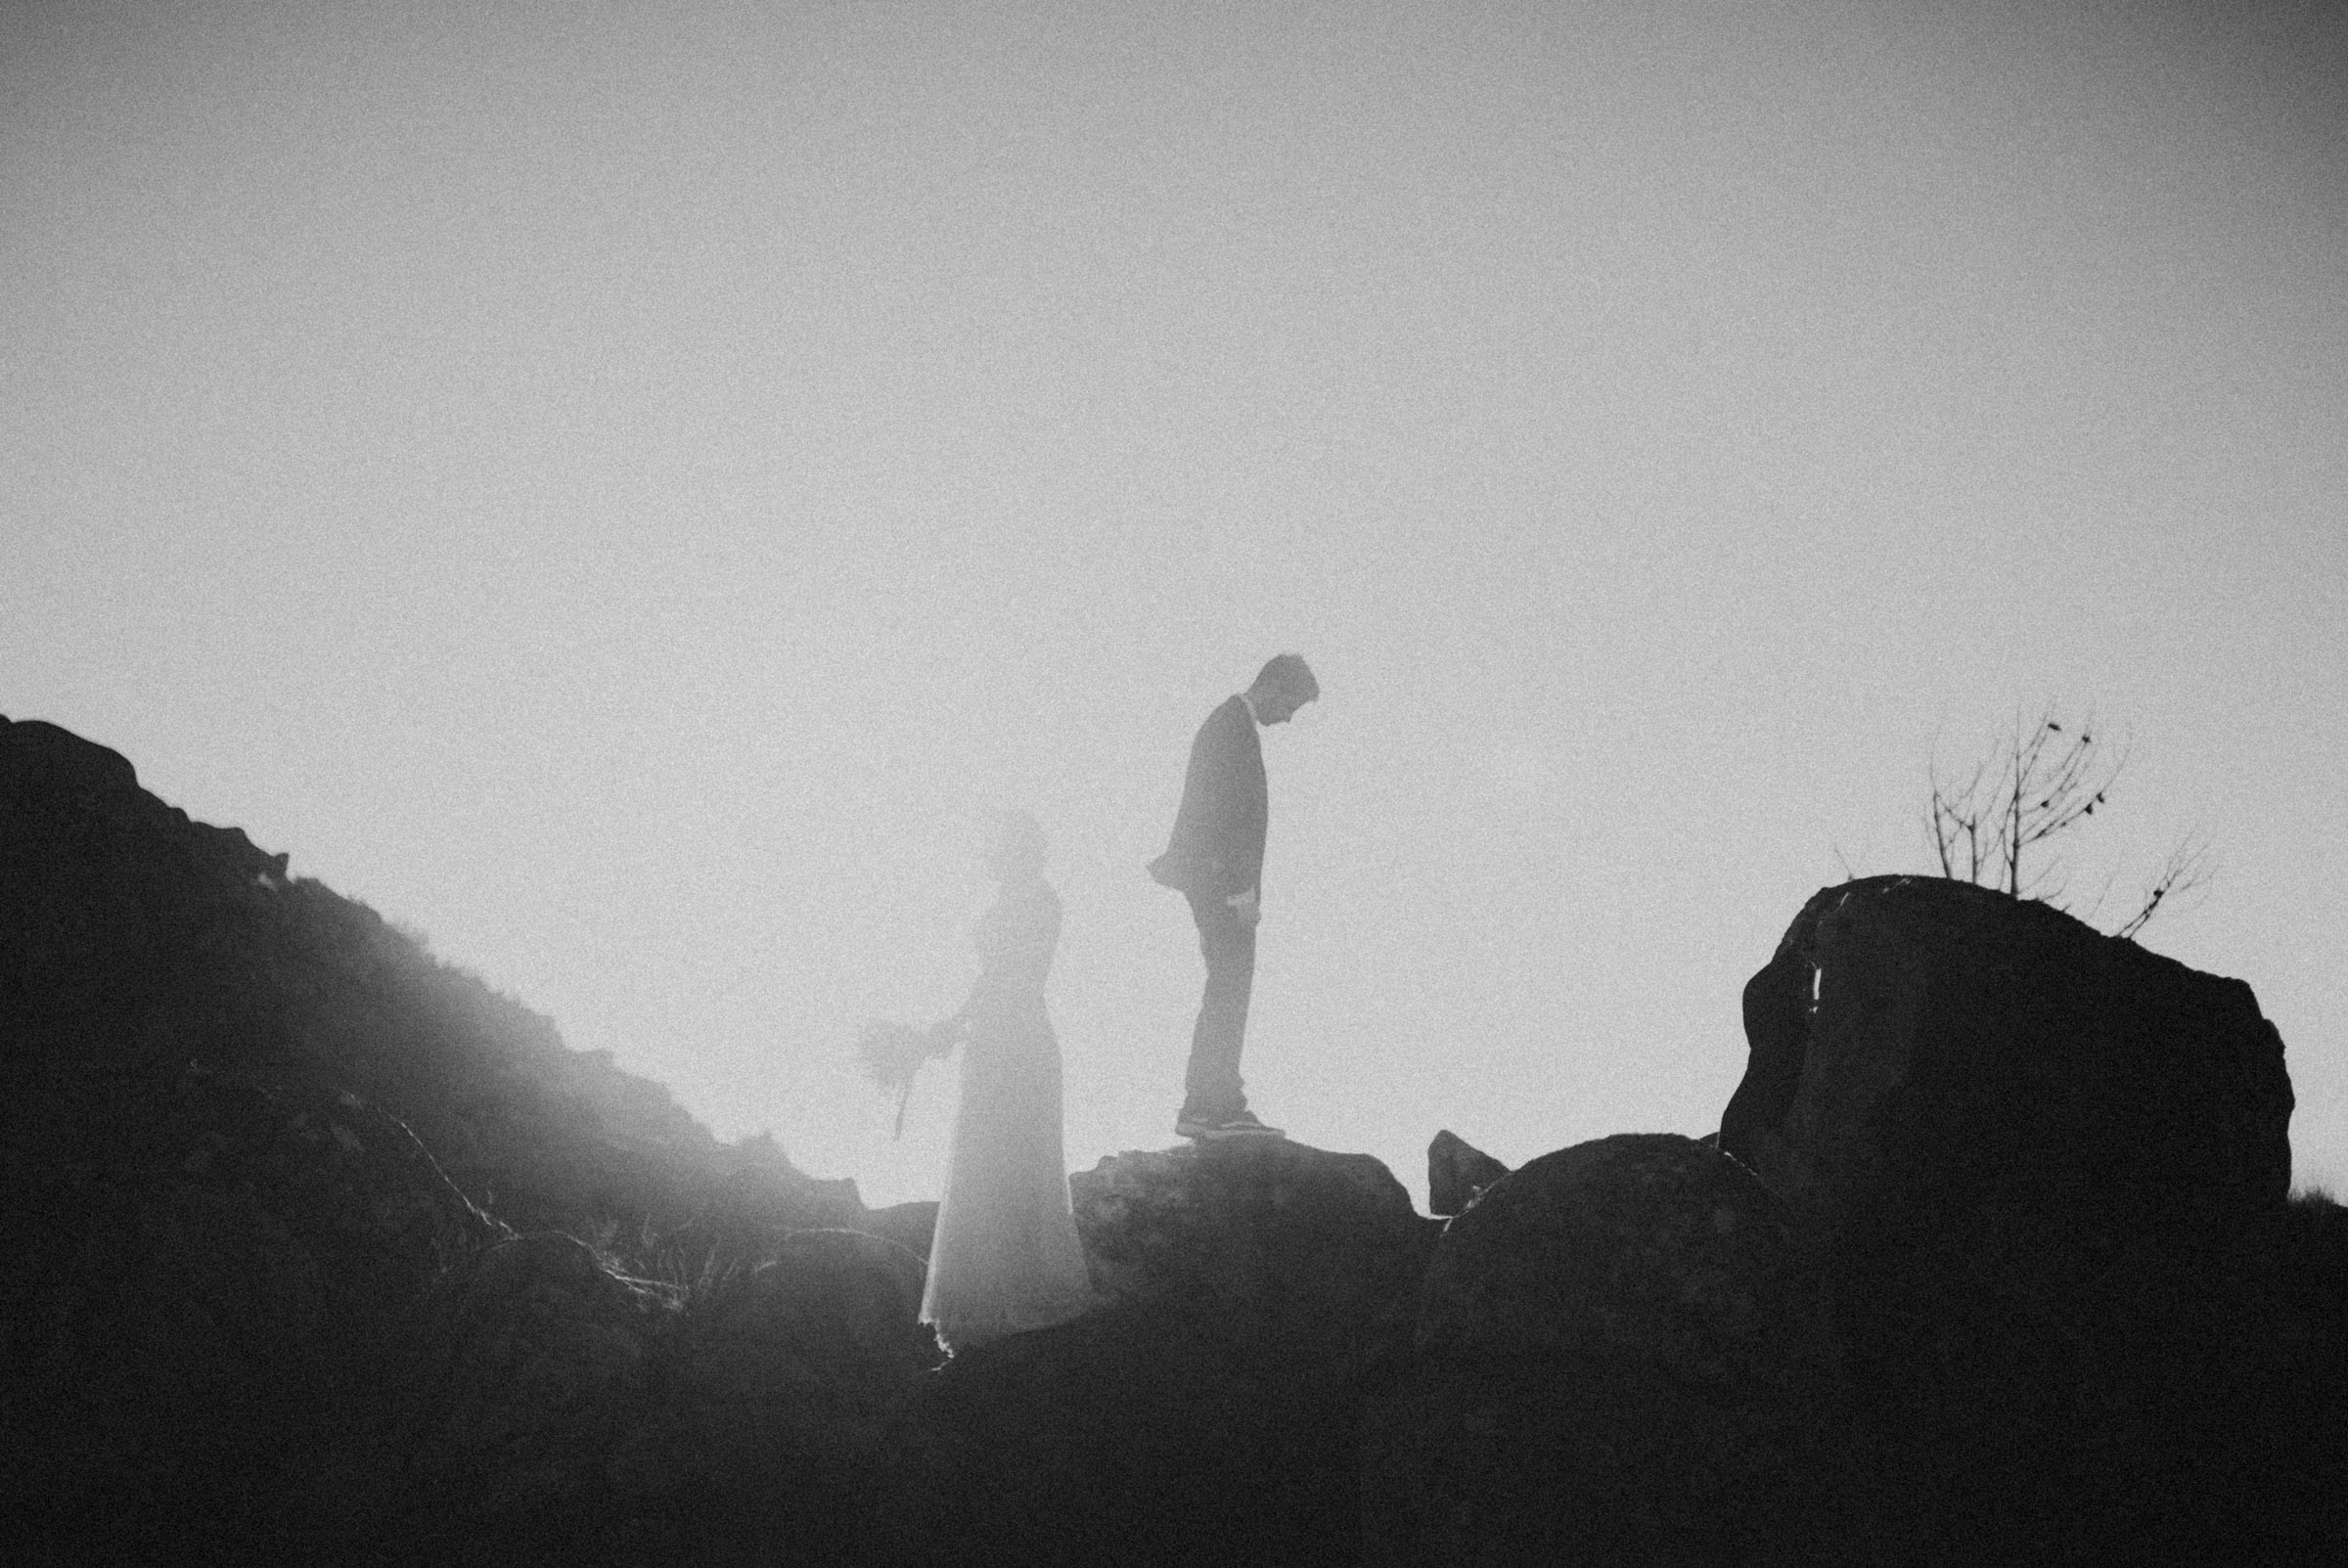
{"x": 618, "y": 486}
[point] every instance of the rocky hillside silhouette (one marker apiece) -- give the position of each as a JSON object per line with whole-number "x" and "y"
{"x": 320, "y": 1251}
{"x": 247, "y": 1129}
{"x": 139, "y": 942}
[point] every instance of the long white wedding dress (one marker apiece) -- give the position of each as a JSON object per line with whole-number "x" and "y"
{"x": 1004, "y": 1258}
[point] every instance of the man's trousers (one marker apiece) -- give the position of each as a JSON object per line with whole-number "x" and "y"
{"x": 1211, "y": 1088}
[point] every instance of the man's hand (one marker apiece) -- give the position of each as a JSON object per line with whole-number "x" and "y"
{"x": 1246, "y": 908}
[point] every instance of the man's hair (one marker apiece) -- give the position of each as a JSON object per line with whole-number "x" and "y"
{"x": 1287, "y": 672}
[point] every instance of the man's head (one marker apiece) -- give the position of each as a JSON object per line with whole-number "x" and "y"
{"x": 1282, "y": 687}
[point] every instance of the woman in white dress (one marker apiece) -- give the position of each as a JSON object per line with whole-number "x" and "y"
{"x": 1004, "y": 1258}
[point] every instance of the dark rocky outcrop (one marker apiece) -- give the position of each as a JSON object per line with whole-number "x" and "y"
{"x": 251, "y": 1143}
{"x": 1457, "y": 1174}
{"x": 1254, "y": 1293}
{"x": 1623, "y": 1356}
{"x": 1255, "y": 1232}
{"x": 807, "y": 1359}
{"x": 2048, "y": 1170}
{"x": 215, "y": 1291}
{"x": 319, "y": 1250}
{"x": 134, "y": 941}
{"x": 534, "y": 1362}
{"x": 339, "y": 1256}
{"x": 1928, "y": 1050}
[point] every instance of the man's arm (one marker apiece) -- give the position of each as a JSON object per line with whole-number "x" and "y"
{"x": 1217, "y": 843}
{"x": 1234, "y": 826}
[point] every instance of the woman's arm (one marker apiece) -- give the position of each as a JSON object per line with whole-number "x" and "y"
{"x": 947, "y": 1032}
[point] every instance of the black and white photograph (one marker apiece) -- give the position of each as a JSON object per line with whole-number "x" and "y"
{"x": 1345, "y": 783}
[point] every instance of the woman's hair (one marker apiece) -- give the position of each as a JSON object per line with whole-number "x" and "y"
{"x": 1019, "y": 836}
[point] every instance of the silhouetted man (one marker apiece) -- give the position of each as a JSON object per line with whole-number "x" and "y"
{"x": 1216, "y": 859}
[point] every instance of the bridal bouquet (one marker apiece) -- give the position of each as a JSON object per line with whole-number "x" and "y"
{"x": 892, "y": 1054}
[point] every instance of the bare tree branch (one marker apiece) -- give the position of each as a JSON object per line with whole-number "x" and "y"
{"x": 2033, "y": 788}
{"x": 2190, "y": 867}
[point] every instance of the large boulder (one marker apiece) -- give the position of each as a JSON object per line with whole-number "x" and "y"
{"x": 1928, "y": 1050}
{"x": 1254, "y": 1294}
{"x": 2048, "y": 1170}
{"x": 1262, "y": 1232}
{"x": 1622, "y": 1355}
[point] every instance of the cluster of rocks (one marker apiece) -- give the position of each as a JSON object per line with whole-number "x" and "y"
{"x": 1993, "y": 1260}
{"x": 318, "y": 1251}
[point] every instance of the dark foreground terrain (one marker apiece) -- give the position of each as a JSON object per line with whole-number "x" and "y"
{"x": 319, "y": 1251}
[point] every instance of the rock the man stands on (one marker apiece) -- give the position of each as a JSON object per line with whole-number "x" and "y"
{"x": 1216, "y": 859}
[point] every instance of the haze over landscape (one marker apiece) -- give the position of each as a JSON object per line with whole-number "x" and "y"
{"x": 621, "y": 493}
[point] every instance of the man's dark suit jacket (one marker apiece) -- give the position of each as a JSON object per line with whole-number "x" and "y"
{"x": 1217, "y": 850}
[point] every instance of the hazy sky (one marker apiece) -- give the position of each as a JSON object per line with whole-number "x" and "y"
{"x": 618, "y": 486}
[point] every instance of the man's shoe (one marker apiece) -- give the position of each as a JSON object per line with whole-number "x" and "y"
{"x": 1242, "y": 1125}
